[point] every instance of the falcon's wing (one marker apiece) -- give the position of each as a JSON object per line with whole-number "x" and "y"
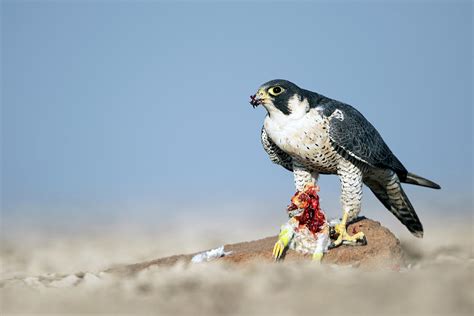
{"x": 350, "y": 132}
{"x": 276, "y": 155}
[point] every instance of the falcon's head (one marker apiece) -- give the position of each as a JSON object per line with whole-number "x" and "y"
{"x": 278, "y": 95}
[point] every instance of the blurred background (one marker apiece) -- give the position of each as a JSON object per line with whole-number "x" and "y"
{"x": 135, "y": 114}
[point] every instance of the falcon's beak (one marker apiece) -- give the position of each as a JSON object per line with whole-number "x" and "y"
{"x": 257, "y": 99}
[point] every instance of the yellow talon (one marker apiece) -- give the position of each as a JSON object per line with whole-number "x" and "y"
{"x": 344, "y": 237}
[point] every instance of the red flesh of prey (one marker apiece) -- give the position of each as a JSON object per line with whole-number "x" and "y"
{"x": 312, "y": 217}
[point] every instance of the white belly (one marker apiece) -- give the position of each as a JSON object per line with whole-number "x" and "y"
{"x": 305, "y": 139}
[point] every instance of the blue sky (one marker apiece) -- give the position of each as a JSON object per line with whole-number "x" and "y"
{"x": 118, "y": 107}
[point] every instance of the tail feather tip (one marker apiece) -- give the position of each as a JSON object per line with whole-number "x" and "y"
{"x": 417, "y": 180}
{"x": 418, "y": 234}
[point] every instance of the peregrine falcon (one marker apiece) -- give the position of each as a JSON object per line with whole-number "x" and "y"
{"x": 310, "y": 134}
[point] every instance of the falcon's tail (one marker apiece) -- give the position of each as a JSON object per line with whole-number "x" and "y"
{"x": 389, "y": 191}
{"x": 414, "y": 179}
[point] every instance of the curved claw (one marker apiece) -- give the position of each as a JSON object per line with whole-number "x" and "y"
{"x": 344, "y": 238}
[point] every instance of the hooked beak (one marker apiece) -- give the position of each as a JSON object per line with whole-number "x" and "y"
{"x": 257, "y": 99}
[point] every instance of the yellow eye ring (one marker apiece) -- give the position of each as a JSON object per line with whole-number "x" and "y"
{"x": 276, "y": 90}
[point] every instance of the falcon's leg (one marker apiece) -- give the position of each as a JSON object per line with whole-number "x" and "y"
{"x": 351, "y": 196}
{"x": 303, "y": 177}
{"x": 303, "y": 180}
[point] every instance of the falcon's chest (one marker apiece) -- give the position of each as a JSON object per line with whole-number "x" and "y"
{"x": 305, "y": 138}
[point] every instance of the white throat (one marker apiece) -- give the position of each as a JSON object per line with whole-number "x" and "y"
{"x": 298, "y": 109}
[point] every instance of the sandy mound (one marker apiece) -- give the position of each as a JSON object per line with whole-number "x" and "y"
{"x": 47, "y": 281}
{"x": 382, "y": 251}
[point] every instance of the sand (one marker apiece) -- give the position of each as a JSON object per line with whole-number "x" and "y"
{"x": 383, "y": 251}
{"x": 66, "y": 276}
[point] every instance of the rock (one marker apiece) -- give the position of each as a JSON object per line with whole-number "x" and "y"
{"x": 383, "y": 251}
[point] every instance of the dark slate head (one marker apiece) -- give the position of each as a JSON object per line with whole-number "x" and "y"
{"x": 278, "y": 95}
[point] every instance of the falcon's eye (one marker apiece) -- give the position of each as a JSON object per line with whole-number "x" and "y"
{"x": 276, "y": 90}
